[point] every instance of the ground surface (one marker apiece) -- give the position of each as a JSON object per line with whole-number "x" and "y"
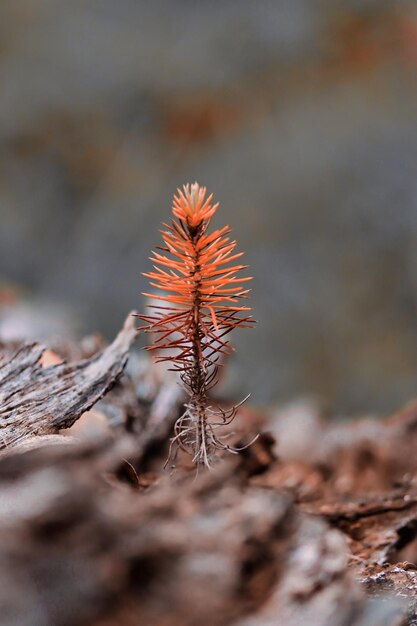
{"x": 315, "y": 523}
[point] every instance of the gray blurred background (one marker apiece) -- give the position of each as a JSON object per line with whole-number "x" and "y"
{"x": 300, "y": 115}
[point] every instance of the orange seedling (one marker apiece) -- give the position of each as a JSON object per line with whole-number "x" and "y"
{"x": 201, "y": 291}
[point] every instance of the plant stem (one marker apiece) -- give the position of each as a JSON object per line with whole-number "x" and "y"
{"x": 198, "y": 373}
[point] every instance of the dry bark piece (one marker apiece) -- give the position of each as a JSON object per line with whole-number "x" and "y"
{"x": 361, "y": 477}
{"x": 147, "y": 401}
{"x": 395, "y": 580}
{"x": 38, "y": 401}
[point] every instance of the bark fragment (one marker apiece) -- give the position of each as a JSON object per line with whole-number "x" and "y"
{"x": 38, "y": 401}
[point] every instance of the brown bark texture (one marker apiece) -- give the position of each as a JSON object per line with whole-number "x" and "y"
{"x": 315, "y": 523}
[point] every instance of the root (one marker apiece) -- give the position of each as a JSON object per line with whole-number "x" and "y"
{"x": 195, "y": 434}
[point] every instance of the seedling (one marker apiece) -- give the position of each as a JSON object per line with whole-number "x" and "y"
{"x": 200, "y": 292}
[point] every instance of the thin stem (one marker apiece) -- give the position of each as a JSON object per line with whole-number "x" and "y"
{"x": 198, "y": 373}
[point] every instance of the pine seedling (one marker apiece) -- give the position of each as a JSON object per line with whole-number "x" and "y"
{"x": 199, "y": 304}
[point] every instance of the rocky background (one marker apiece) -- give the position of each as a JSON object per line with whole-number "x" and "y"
{"x": 299, "y": 114}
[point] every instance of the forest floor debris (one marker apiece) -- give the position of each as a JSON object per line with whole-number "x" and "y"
{"x": 321, "y": 531}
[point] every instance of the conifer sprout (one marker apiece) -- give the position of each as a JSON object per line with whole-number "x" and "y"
{"x": 199, "y": 294}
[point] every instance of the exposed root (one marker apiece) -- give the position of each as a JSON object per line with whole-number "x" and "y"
{"x": 195, "y": 433}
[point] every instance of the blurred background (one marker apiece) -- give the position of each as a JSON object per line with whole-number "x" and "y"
{"x": 300, "y": 115}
